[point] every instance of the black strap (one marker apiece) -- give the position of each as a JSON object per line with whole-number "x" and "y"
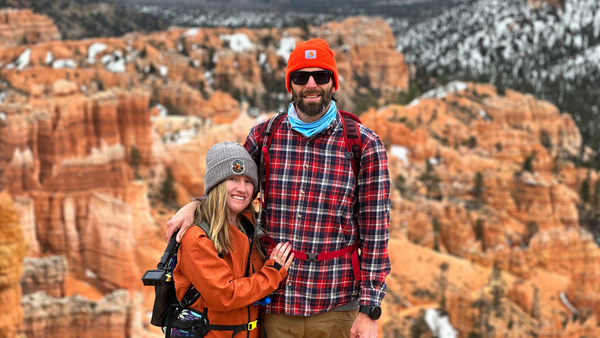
{"x": 196, "y": 325}
{"x": 169, "y": 324}
{"x": 204, "y": 226}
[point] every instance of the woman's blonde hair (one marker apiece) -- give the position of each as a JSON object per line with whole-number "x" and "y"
{"x": 213, "y": 210}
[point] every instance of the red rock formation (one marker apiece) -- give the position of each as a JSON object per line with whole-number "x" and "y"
{"x": 44, "y": 274}
{"x": 65, "y": 317}
{"x": 203, "y": 59}
{"x": 465, "y": 182}
{"x": 23, "y": 26}
{"x": 540, "y": 3}
{"x": 25, "y": 210}
{"x": 368, "y": 53}
{"x": 183, "y": 100}
{"x": 526, "y": 222}
{"x": 14, "y": 249}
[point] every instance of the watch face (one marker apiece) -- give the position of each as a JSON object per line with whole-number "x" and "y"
{"x": 375, "y": 312}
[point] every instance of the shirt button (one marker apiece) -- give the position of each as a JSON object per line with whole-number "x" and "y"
{"x": 302, "y": 191}
{"x": 296, "y": 238}
{"x": 299, "y": 215}
{"x": 305, "y": 165}
{"x": 289, "y": 283}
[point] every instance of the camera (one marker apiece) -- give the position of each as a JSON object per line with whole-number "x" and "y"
{"x": 156, "y": 277}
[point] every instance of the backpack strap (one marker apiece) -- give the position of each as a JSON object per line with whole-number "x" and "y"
{"x": 264, "y": 143}
{"x": 350, "y": 124}
{"x": 199, "y": 327}
{"x": 353, "y": 143}
{"x": 191, "y": 295}
{"x": 205, "y": 227}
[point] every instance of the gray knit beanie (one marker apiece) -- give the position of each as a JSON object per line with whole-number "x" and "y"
{"x": 227, "y": 159}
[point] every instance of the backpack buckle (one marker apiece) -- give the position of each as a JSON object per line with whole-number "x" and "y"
{"x": 252, "y": 325}
{"x": 311, "y": 257}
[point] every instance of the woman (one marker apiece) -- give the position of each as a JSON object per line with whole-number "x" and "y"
{"x": 225, "y": 263}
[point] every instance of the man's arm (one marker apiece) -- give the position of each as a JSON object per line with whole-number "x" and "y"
{"x": 373, "y": 220}
{"x": 183, "y": 219}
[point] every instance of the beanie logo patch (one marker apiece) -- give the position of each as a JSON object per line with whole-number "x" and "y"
{"x": 237, "y": 166}
{"x": 310, "y": 54}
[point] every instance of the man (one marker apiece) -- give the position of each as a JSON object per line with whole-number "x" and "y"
{"x": 314, "y": 202}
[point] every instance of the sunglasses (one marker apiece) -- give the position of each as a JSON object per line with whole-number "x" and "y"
{"x": 320, "y": 76}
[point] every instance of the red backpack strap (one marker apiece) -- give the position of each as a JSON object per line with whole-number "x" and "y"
{"x": 264, "y": 143}
{"x": 350, "y": 124}
{"x": 353, "y": 145}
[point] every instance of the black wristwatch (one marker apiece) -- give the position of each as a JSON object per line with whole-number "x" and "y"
{"x": 373, "y": 311}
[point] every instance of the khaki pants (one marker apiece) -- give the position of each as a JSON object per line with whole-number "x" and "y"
{"x": 335, "y": 324}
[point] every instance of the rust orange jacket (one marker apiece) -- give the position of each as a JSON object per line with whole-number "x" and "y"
{"x": 225, "y": 290}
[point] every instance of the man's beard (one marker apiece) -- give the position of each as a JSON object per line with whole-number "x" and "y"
{"x": 313, "y": 108}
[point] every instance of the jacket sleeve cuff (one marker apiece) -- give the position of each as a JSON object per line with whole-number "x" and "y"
{"x": 272, "y": 264}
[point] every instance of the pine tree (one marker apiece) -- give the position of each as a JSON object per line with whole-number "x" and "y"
{"x": 136, "y": 159}
{"x": 479, "y": 233}
{"x": 596, "y": 200}
{"x": 532, "y": 229}
{"x": 528, "y": 163}
{"x": 535, "y": 306}
{"x": 584, "y": 191}
{"x": 167, "y": 190}
{"x": 443, "y": 285}
{"x": 436, "y": 234}
{"x": 431, "y": 180}
{"x": 497, "y": 289}
{"x": 478, "y": 189}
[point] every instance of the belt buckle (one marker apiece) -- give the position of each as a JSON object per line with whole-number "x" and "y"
{"x": 252, "y": 325}
{"x": 311, "y": 257}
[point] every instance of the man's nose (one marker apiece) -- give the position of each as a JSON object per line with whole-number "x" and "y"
{"x": 311, "y": 83}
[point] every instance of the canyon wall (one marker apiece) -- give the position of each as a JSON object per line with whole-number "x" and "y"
{"x": 23, "y": 26}
{"x": 485, "y": 220}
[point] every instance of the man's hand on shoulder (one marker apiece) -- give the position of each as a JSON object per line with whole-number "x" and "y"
{"x": 363, "y": 327}
{"x": 183, "y": 219}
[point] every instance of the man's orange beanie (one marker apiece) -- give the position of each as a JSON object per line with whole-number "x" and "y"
{"x": 312, "y": 53}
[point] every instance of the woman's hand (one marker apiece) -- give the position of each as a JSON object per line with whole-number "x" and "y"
{"x": 282, "y": 255}
{"x": 184, "y": 218}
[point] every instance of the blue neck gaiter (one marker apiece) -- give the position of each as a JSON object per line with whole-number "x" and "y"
{"x": 312, "y": 128}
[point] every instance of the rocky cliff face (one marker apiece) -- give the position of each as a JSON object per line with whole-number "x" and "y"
{"x": 44, "y": 274}
{"x": 14, "y": 248}
{"x": 94, "y": 133}
{"x": 185, "y": 67}
{"x": 89, "y": 128}
{"x": 486, "y": 177}
{"x": 554, "y": 3}
{"x": 84, "y": 19}
{"x": 23, "y": 26}
{"x": 76, "y": 315}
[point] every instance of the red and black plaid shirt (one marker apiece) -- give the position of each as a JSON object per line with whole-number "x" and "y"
{"x": 311, "y": 204}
